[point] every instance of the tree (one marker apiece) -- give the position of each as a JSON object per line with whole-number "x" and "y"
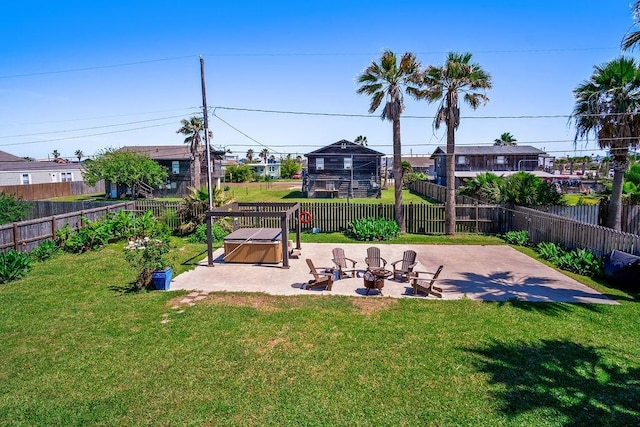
{"x": 12, "y": 208}
{"x": 457, "y": 77}
{"x": 238, "y": 173}
{"x": 79, "y": 154}
{"x": 193, "y": 129}
{"x": 264, "y": 155}
{"x": 55, "y": 154}
{"x": 124, "y": 168}
{"x": 632, "y": 38}
{"x": 250, "y": 154}
{"x": 607, "y": 106}
{"x": 289, "y": 167}
{"x": 362, "y": 140}
{"x": 505, "y": 139}
{"x": 386, "y": 80}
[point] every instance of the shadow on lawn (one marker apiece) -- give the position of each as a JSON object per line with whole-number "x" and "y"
{"x": 574, "y": 384}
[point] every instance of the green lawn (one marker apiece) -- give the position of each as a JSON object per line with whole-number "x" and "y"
{"x": 77, "y": 349}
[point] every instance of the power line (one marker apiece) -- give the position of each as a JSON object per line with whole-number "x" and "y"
{"x": 97, "y": 67}
{"x": 86, "y": 136}
{"x": 240, "y": 132}
{"x": 90, "y": 128}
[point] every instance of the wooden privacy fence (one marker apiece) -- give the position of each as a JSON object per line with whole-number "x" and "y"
{"x": 572, "y": 234}
{"x": 26, "y": 235}
{"x": 52, "y": 189}
{"x": 335, "y": 217}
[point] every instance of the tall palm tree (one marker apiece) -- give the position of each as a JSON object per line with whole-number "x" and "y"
{"x": 505, "y": 139}
{"x": 632, "y": 38}
{"x": 608, "y": 107}
{"x": 79, "y": 154}
{"x": 385, "y": 80}
{"x": 458, "y": 77}
{"x": 56, "y": 155}
{"x": 250, "y": 154}
{"x": 193, "y": 129}
{"x": 264, "y": 155}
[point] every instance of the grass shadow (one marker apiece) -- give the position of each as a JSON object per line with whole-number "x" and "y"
{"x": 574, "y": 383}
{"x": 195, "y": 259}
{"x": 129, "y": 288}
{"x": 296, "y": 194}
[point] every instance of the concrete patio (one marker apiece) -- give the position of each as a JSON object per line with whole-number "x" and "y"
{"x": 487, "y": 273}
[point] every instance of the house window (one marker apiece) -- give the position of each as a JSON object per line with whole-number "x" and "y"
{"x": 462, "y": 160}
{"x": 500, "y": 160}
{"x": 320, "y": 163}
{"x": 66, "y": 176}
{"x": 175, "y": 167}
{"x": 26, "y": 179}
{"x": 348, "y": 163}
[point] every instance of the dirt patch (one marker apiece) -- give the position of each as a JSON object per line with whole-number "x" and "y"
{"x": 368, "y": 306}
{"x": 262, "y": 302}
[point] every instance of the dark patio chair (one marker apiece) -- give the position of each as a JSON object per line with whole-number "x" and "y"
{"x": 342, "y": 264}
{"x": 426, "y": 285}
{"x": 404, "y": 266}
{"x": 373, "y": 259}
{"x": 320, "y": 280}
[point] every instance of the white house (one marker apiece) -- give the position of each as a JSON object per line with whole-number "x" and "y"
{"x": 15, "y": 170}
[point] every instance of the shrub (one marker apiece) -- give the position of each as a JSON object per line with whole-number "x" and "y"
{"x": 147, "y": 259}
{"x": 44, "y": 251}
{"x": 12, "y": 208}
{"x": 13, "y": 265}
{"x": 373, "y": 229}
{"x": 549, "y": 251}
{"x": 581, "y": 261}
{"x": 218, "y": 232}
{"x": 517, "y": 237}
{"x": 93, "y": 235}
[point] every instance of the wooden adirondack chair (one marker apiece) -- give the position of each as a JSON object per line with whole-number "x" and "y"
{"x": 426, "y": 285}
{"x": 404, "y": 266}
{"x": 320, "y": 280}
{"x": 373, "y": 259}
{"x": 342, "y": 263}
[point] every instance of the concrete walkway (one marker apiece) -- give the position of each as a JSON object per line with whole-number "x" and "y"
{"x": 488, "y": 273}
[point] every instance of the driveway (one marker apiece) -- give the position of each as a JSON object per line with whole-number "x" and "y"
{"x": 487, "y": 273}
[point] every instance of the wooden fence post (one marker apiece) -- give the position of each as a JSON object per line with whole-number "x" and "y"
{"x": 16, "y": 236}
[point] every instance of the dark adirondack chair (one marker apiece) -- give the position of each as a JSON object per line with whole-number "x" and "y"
{"x": 404, "y": 266}
{"x": 373, "y": 259}
{"x": 342, "y": 263}
{"x": 426, "y": 285}
{"x": 320, "y": 280}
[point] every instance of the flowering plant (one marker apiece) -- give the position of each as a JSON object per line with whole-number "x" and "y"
{"x": 147, "y": 258}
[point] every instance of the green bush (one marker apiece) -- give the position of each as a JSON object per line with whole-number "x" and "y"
{"x": 13, "y": 265}
{"x": 148, "y": 258}
{"x": 517, "y": 237}
{"x": 218, "y": 232}
{"x": 373, "y": 229}
{"x": 12, "y": 208}
{"x": 44, "y": 251}
{"x": 580, "y": 261}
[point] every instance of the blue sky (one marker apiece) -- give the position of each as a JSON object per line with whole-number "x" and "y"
{"x": 90, "y": 75}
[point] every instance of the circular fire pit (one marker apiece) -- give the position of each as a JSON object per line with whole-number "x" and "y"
{"x": 374, "y": 279}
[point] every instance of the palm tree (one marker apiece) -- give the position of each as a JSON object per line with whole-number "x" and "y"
{"x": 193, "y": 129}
{"x": 250, "y": 154}
{"x": 385, "y": 80}
{"x": 446, "y": 84}
{"x": 505, "y": 139}
{"x": 79, "y": 154}
{"x": 607, "y": 107}
{"x": 56, "y": 155}
{"x": 632, "y": 38}
{"x": 362, "y": 140}
{"x": 264, "y": 155}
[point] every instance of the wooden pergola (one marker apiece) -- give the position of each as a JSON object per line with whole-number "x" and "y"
{"x": 283, "y": 211}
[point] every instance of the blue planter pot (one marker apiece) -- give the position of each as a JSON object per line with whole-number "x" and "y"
{"x": 162, "y": 279}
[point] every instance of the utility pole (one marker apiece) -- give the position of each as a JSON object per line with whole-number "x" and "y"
{"x": 205, "y": 113}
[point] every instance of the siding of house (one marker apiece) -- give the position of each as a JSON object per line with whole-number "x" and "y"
{"x": 345, "y": 170}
